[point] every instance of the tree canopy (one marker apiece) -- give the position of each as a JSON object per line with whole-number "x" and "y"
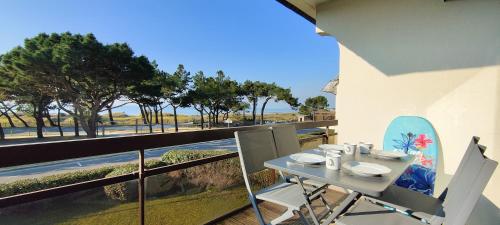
{"x": 313, "y": 104}
{"x": 175, "y": 89}
{"x": 74, "y": 68}
{"x": 83, "y": 77}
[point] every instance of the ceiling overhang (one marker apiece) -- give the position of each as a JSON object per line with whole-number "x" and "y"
{"x": 302, "y": 8}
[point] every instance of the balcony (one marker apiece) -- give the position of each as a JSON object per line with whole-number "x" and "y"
{"x": 207, "y": 190}
{"x": 246, "y": 216}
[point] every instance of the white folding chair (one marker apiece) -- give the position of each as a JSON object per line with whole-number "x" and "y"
{"x": 287, "y": 143}
{"x": 254, "y": 148}
{"x": 417, "y": 204}
{"x": 461, "y": 197}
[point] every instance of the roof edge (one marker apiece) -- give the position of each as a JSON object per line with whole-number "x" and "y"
{"x": 297, "y": 10}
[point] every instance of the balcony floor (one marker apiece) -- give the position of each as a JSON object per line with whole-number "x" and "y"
{"x": 271, "y": 211}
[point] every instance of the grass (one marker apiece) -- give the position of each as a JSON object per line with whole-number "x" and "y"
{"x": 124, "y": 119}
{"x": 119, "y": 118}
{"x": 86, "y": 210}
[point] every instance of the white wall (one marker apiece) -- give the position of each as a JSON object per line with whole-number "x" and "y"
{"x": 439, "y": 60}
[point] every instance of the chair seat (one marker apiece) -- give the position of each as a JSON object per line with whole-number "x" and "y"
{"x": 308, "y": 182}
{"x": 420, "y": 205}
{"x": 367, "y": 213}
{"x": 284, "y": 194}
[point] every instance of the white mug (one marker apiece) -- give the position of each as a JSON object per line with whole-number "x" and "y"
{"x": 334, "y": 151}
{"x": 349, "y": 149}
{"x": 365, "y": 148}
{"x": 332, "y": 147}
{"x": 332, "y": 161}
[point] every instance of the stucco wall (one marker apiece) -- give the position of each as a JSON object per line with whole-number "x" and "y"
{"x": 439, "y": 60}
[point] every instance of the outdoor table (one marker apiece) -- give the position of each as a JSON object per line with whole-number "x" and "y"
{"x": 372, "y": 186}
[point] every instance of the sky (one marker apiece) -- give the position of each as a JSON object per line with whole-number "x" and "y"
{"x": 249, "y": 40}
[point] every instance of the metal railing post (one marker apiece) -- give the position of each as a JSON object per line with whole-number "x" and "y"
{"x": 141, "y": 187}
{"x": 326, "y": 139}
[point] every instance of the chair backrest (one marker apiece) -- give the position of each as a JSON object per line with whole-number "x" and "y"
{"x": 415, "y": 135}
{"x": 254, "y": 148}
{"x": 471, "y": 148}
{"x": 286, "y": 140}
{"x": 467, "y": 186}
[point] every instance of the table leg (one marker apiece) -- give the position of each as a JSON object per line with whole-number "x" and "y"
{"x": 344, "y": 205}
{"x": 307, "y": 201}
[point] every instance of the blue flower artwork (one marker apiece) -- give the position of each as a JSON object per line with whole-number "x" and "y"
{"x": 407, "y": 142}
{"x": 415, "y": 136}
{"x": 418, "y": 178}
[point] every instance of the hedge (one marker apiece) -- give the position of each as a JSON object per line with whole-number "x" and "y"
{"x": 216, "y": 175}
{"x": 212, "y": 175}
{"x": 180, "y": 156}
{"x": 125, "y": 191}
{"x": 51, "y": 181}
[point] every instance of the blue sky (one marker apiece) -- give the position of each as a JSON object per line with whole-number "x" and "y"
{"x": 256, "y": 40}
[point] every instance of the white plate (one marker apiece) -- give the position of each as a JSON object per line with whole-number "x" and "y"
{"x": 390, "y": 154}
{"x": 331, "y": 147}
{"x": 308, "y": 158}
{"x": 366, "y": 169}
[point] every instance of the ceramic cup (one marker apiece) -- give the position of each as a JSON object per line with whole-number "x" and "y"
{"x": 331, "y": 147}
{"x": 365, "y": 148}
{"x": 334, "y": 151}
{"x": 349, "y": 149}
{"x": 333, "y": 161}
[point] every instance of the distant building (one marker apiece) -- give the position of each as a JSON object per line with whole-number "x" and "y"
{"x": 319, "y": 115}
{"x": 303, "y": 118}
{"x": 323, "y": 114}
{"x": 434, "y": 59}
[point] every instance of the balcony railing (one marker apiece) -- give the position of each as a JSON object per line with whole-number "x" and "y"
{"x": 25, "y": 154}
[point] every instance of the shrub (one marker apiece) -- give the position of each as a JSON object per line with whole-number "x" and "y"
{"x": 213, "y": 175}
{"x": 218, "y": 175}
{"x": 153, "y": 164}
{"x": 35, "y": 184}
{"x": 51, "y": 181}
{"x": 180, "y": 156}
{"x": 127, "y": 191}
{"x": 262, "y": 179}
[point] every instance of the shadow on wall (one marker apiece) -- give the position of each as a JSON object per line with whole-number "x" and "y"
{"x": 439, "y": 26}
{"x": 497, "y": 116}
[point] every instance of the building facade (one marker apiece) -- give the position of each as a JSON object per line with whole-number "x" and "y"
{"x": 435, "y": 59}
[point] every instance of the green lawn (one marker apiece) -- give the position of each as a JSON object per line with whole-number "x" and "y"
{"x": 123, "y": 119}
{"x": 185, "y": 209}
